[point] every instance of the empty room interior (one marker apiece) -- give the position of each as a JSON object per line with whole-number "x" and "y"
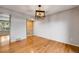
{"x": 39, "y": 28}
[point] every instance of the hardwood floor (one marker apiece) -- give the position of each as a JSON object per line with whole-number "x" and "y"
{"x": 35, "y": 44}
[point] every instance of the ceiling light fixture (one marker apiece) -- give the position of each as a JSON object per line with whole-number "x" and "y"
{"x": 39, "y": 13}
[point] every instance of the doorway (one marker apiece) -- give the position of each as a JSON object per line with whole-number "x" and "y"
{"x": 29, "y": 26}
{"x": 5, "y": 20}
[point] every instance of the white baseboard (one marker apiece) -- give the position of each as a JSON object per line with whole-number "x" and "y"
{"x": 58, "y": 40}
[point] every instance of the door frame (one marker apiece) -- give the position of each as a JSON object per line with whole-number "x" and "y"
{"x": 32, "y": 27}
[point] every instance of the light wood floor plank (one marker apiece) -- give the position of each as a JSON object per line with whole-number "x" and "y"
{"x": 35, "y": 44}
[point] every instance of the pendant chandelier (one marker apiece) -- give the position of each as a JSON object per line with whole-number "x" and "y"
{"x": 39, "y": 13}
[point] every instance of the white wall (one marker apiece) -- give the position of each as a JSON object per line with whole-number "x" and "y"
{"x": 18, "y": 28}
{"x": 74, "y": 27}
{"x": 62, "y": 27}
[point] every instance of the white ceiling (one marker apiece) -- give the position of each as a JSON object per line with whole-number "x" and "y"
{"x": 30, "y": 9}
